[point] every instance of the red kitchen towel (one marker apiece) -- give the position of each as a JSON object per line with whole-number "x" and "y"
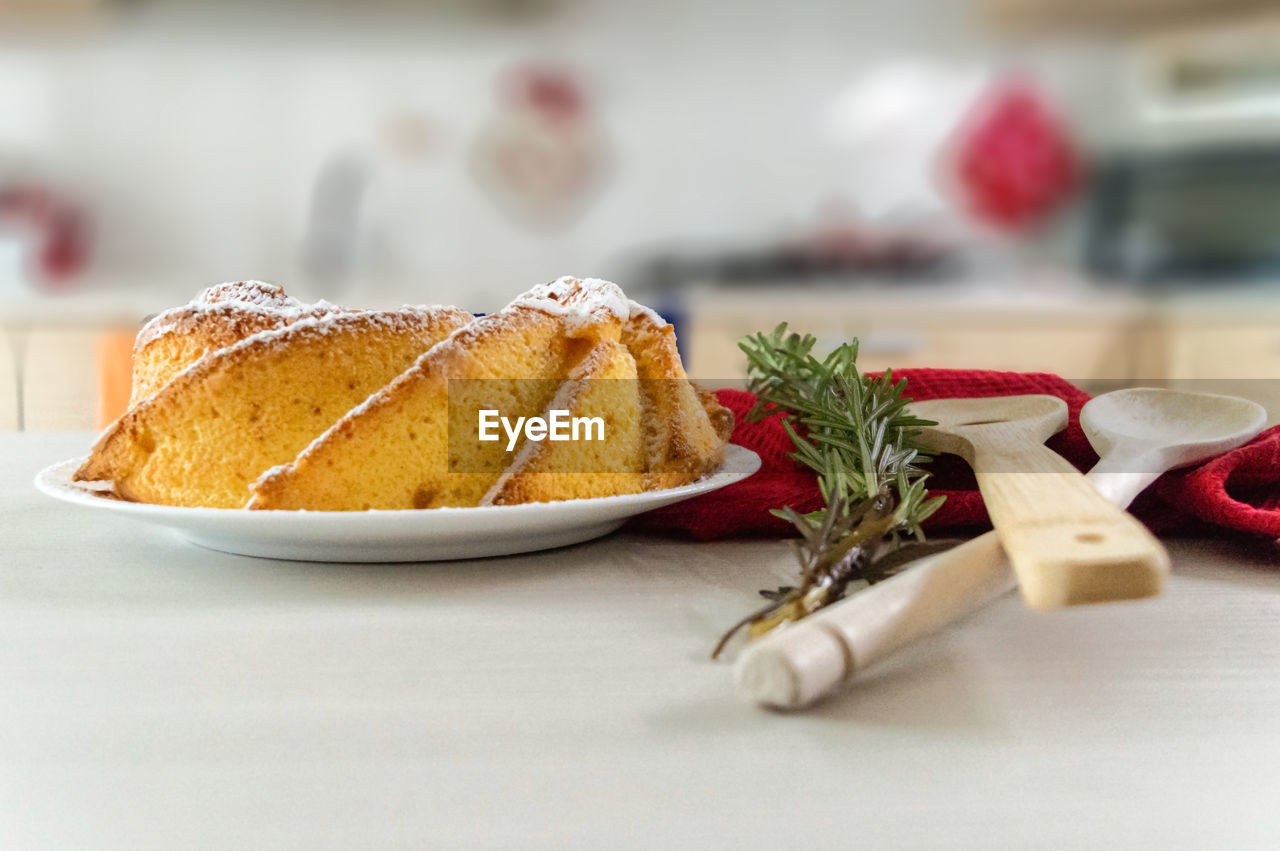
{"x": 1239, "y": 490}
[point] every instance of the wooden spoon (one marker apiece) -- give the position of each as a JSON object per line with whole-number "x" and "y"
{"x": 1141, "y": 432}
{"x": 796, "y": 666}
{"x": 1068, "y": 543}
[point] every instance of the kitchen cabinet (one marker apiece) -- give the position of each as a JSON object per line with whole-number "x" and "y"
{"x": 1239, "y": 350}
{"x": 8, "y": 382}
{"x": 1103, "y": 341}
{"x": 1080, "y": 351}
{"x": 59, "y": 379}
{"x": 49, "y": 364}
{"x": 1239, "y": 356}
{"x": 1212, "y": 343}
{"x": 1110, "y": 16}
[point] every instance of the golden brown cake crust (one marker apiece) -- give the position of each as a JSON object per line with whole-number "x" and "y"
{"x": 218, "y": 317}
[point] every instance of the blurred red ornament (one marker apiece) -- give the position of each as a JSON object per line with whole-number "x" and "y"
{"x": 56, "y": 228}
{"x": 1015, "y": 161}
{"x": 553, "y": 92}
{"x": 542, "y": 156}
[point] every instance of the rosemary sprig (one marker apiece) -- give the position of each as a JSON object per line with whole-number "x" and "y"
{"x": 858, "y": 435}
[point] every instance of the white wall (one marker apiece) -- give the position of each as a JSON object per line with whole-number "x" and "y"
{"x": 198, "y": 140}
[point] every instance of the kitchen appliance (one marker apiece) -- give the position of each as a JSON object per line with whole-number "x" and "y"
{"x": 1202, "y": 213}
{"x": 1193, "y": 193}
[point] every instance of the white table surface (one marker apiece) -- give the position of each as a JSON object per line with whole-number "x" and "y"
{"x": 155, "y": 695}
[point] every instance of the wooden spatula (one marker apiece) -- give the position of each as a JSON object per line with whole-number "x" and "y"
{"x": 1067, "y": 543}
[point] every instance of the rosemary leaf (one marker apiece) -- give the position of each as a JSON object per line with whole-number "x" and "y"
{"x": 859, "y": 437}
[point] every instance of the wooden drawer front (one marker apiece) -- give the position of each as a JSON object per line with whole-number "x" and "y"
{"x": 1082, "y": 352}
{"x": 8, "y": 382}
{"x": 60, "y": 382}
{"x": 1227, "y": 359}
{"x": 711, "y": 351}
{"x": 1224, "y": 351}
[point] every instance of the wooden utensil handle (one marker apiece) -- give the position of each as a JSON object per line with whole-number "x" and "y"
{"x": 1067, "y": 543}
{"x": 1120, "y": 478}
{"x": 797, "y": 665}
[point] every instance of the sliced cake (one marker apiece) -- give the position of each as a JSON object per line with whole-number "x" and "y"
{"x": 205, "y": 435}
{"x": 396, "y": 450}
{"x": 601, "y": 401}
{"x": 685, "y": 431}
{"x": 249, "y": 398}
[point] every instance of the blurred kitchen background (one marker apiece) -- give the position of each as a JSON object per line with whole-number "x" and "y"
{"x": 1089, "y": 187}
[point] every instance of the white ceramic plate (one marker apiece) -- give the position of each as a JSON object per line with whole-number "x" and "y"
{"x": 374, "y": 536}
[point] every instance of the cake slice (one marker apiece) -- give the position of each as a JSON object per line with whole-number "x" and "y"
{"x": 204, "y": 436}
{"x": 218, "y": 317}
{"x": 602, "y": 388}
{"x": 685, "y": 429}
{"x": 399, "y": 451}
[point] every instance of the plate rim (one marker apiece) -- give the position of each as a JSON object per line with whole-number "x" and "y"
{"x": 740, "y": 463}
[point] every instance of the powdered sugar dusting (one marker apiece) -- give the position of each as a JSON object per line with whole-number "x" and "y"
{"x": 649, "y": 313}
{"x": 578, "y": 302}
{"x": 247, "y": 292}
{"x": 239, "y": 298}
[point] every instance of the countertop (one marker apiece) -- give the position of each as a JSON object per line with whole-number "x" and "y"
{"x": 157, "y": 695}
